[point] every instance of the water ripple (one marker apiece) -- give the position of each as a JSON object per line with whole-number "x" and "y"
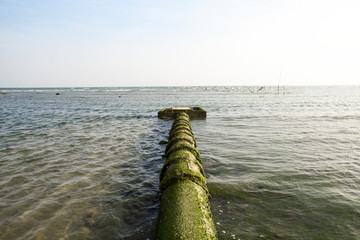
{"x": 85, "y": 164}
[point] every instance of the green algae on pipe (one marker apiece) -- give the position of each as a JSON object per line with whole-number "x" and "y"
{"x": 180, "y": 137}
{"x": 184, "y": 211}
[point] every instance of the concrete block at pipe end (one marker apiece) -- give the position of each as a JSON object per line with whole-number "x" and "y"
{"x": 192, "y": 112}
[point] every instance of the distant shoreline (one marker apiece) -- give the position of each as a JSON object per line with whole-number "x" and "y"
{"x": 139, "y": 87}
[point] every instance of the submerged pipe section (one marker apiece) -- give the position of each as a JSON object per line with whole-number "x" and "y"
{"x": 184, "y": 208}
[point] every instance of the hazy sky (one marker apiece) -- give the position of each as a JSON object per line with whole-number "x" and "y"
{"x": 68, "y": 43}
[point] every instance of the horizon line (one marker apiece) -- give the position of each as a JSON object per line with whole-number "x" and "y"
{"x": 180, "y": 86}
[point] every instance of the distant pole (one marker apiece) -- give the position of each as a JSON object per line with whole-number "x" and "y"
{"x": 280, "y": 75}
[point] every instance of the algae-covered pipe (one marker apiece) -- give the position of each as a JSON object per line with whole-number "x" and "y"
{"x": 184, "y": 209}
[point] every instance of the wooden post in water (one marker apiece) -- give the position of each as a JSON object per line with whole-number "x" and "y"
{"x": 184, "y": 209}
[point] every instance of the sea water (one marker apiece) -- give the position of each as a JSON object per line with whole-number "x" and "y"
{"x": 85, "y": 164}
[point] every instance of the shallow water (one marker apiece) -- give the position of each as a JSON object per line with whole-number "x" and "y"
{"x": 85, "y": 164}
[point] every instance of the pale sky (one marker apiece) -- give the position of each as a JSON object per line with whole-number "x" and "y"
{"x": 115, "y": 43}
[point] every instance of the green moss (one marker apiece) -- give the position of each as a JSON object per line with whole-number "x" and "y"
{"x": 182, "y": 130}
{"x": 183, "y": 145}
{"x": 180, "y": 137}
{"x": 182, "y": 119}
{"x": 185, "y": 213}
{"x": 180, "y": 133}
{"x": 190, "y": 158}
{"x": 180, "y": 145}
{"x": 183, "y": 170}
{"x": 183, "y": 114}
{"x": 178, "y": 118}
{"x": 184, "y": 210}
{"x": 182, "y": 153}
{"x": 181, "y": 123}
{"x": 180, "y": 127}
